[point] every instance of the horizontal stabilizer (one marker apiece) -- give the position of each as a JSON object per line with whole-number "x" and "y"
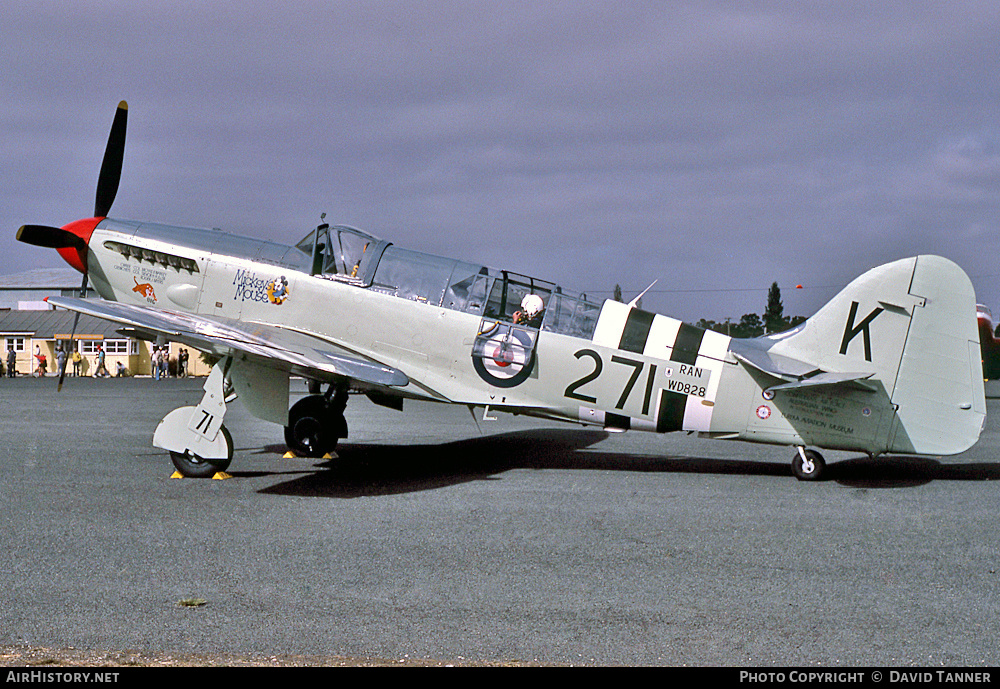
{"x": 794, "y": 374}
{"x": 856, "y": 380}
{"x": 779, "y": 367}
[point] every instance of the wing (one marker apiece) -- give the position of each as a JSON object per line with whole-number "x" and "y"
{"x": 281, "y": 348}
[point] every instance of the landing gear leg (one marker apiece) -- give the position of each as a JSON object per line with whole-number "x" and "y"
{"x": 316, "y": 423}
{"x": 199, "y": 445}
{"x": 808, "y": 465}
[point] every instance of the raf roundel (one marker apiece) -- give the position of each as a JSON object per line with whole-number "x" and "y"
{"x": 508, "y": 359}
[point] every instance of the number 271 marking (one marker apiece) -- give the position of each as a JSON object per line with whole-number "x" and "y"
{"x": 572, "y": 390}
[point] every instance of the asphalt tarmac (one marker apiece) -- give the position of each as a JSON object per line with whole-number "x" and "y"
{"x": 439, "y": 537}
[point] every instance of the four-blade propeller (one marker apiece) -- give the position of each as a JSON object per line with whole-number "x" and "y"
{"x": 72, "y": 237}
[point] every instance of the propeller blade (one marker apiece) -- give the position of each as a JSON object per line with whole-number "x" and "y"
{"x": 50, "y": 237}
{"x": 111, "y": 168}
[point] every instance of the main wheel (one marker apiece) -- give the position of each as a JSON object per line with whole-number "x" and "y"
{"x": 314, "y": 426}
{"x": 193, "y": 466}
{"x": 809, "y": 468}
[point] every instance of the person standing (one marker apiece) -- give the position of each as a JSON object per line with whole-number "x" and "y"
{"x": 100, "y": 364}
{"x": 11, "y": 362}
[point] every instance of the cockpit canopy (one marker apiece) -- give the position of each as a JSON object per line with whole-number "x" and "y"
{"x": 348, "y": 255}
{"x": 343, "y": 253}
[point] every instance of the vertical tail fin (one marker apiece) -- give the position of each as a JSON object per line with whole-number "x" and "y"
{"x": 910, "y": 326}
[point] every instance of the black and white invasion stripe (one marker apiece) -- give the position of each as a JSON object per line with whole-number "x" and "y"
{"x": 676, "y": 343}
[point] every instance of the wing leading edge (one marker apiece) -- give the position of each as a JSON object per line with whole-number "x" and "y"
{"x": 271, "y": 345}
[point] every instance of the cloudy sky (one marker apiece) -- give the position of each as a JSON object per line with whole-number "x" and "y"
{"x": 713, "y": 147}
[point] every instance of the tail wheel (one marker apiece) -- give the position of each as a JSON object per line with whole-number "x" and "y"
{"x": 193, "y": 466}
{"x": 808, "y": 465}
{"x": 314, "y": 426}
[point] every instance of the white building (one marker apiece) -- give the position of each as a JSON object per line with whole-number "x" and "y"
{"x": 29, "y": 325}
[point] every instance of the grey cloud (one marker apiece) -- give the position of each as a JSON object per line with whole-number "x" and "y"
{"x": 714, "y": 146}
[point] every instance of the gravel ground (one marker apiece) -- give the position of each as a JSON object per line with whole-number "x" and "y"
{"x": 71, "y": 657}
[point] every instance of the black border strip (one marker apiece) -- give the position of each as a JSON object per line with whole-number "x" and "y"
{"x": 636, "y": 331}
{"x": 687, "y": 344}
{"x": 671, "y": 412}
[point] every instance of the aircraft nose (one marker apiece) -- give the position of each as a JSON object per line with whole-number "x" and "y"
{"x": 76, "y": 256}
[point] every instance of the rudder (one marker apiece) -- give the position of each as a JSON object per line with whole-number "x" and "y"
{"x": 939, "y": 392}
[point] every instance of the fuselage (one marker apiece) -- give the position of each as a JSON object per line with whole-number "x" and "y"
{"x": 453, "y": 328}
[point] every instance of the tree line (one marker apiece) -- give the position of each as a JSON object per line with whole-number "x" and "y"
{"x": 773, "y": 320}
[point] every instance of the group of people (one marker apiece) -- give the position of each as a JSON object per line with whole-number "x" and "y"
{"x": 100, "y": 372}
{"x": 160, "y": 363}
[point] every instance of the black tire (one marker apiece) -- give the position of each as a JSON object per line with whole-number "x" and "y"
{"x": 810, "y": 470}
{"x": 314, "y": 427}
{"x": 193, "y": 466}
